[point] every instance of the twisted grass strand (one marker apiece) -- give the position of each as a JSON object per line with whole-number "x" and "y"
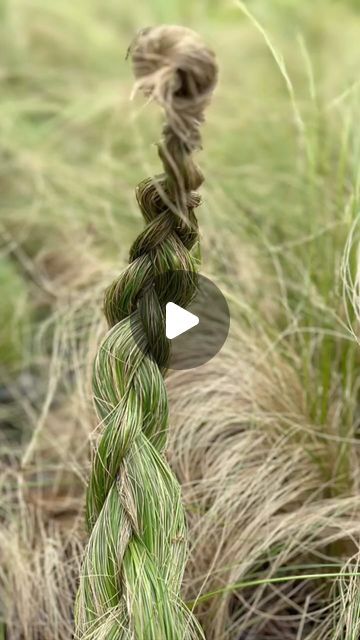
{"x": 134, "y": 561}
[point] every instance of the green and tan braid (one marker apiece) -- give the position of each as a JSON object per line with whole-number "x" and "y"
{"x": 134, "y": 561}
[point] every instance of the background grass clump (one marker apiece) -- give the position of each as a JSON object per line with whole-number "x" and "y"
{"x": 265, "y": 437}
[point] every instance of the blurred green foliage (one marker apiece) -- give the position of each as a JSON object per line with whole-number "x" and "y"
{"x": 15, "y": 312}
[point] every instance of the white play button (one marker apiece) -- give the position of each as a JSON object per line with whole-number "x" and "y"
{"x": 191, "y": 329}
{"x": 178, "y": 320}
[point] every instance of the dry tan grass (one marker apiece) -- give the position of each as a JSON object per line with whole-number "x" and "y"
{"x": 247, "y": 454}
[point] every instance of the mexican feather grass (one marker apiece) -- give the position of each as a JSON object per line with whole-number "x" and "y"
{"x": 134, "y": 561}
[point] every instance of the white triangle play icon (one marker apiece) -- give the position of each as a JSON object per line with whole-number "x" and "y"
{"x": 178, "y": 320}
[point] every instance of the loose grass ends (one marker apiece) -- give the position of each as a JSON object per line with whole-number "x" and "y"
{"x": 278, "y": 579}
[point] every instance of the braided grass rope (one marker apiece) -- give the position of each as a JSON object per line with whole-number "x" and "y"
{"x": 135, "y": 557}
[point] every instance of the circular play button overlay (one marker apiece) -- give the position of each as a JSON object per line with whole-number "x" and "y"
{"x": 192, "y": 333}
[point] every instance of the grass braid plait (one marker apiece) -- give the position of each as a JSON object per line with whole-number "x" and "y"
{"x": 135, "y": 557}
